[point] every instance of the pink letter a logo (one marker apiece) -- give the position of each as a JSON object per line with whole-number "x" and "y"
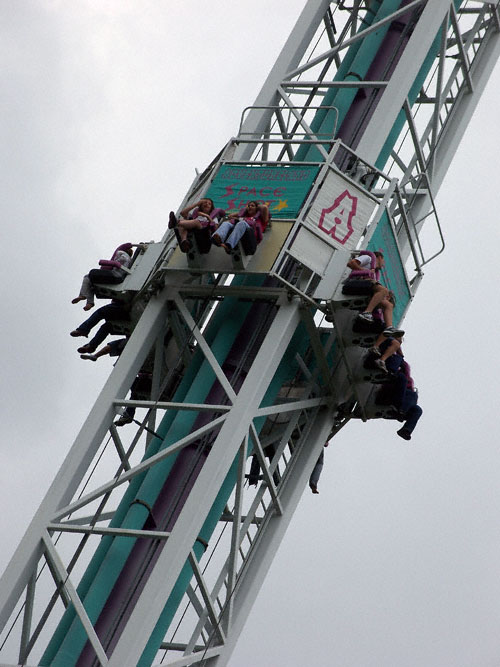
{"x": 336, "y": 220}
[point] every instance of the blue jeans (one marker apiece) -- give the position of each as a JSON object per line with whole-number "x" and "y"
{"x": 111, "y": 311}
{"x": 411, "y": 410}
{"x": 405, "y": 400}
{"x": 231, "y": 234}
{"x": 315, "y": 475}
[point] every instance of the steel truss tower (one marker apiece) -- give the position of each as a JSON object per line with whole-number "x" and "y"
{"x": 152, "y": 542}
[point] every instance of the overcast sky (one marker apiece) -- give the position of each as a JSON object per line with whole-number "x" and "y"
{"x": 107, "y": 109}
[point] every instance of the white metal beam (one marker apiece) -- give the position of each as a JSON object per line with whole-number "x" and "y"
{"x": 64, "y": 486}
{"x": 402, "y": 79}
{"x": 258, "y": 566}
{"x": 290, "y": 57}
{"x": 167, "y": 569}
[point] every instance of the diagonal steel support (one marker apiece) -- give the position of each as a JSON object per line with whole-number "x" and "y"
{"x": 171, "y": 405}
{"x": 80, "y": 457}
{"x": 265, "y": 470}
{"x": 349, "y": 42}
{"x": 57, "y": 564}
{"x": 292, "y": 406}
{"x": 167, "y": 568}
{"x": 115, "y": 532}
{"x": 302, "y": 122}
{"x": 201, "y": 611}
{"x": 209, "y": 355}
{"x": 119, "y": 447}
{"x": 195, "y": 659}
{"x": 319, "y": 353}
{"x": 27, "y": 620}
{"x": 139, "y": 469}
{"x": 207, "y": 599}
{"x": 235, "y": 538}
{"x": 464, "y": 61}
{"x": 439, "y": 96}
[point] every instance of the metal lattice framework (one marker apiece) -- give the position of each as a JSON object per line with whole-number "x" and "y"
{"x": 317, "y": 380}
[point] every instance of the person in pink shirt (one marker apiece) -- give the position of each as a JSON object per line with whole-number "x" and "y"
{"x": 112, "y": 272}
{"x": 228, "y": 234}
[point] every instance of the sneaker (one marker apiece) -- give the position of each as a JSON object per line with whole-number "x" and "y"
{"x": 90, "y": 357}
{"x": 392, "y": 331}
{"x": 380, "y": 365}
{"x": 404, "y": 433}
{"x": 367, "y": 317}
{"x": 374, "y": 351}
{"x": 124, "y": 419}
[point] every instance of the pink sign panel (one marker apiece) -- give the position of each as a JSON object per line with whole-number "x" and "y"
{"x": 336, "y": 221}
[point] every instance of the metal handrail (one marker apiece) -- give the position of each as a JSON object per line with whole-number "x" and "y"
{"x": 307, "y": 131}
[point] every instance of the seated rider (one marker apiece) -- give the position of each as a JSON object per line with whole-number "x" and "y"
{"x": 316, "y": 472}
{"x": 194, "y": 216}
{"x": 141, "y": 384}
{"x": 363, "y": 280}
{"x": 114, "y": 349}
{"x": 253, "y": 476}
{"x": 112, "y": 272}
{"x": 228, "y": 234}
{"x": 402, "y": 394}
{"x": 386, "y": 353}
{"x": 111, "y": 312}
{"x": 409, "y": 411}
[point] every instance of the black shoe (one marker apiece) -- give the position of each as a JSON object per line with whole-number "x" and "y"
{"x": 123, "y": 420}
{"x": 86, "y": 349}
{"x": 404, "y": 433}
{"x": 172, "y": 220}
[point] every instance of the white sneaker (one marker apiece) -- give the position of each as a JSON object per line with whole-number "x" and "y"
{"x": 367, "y": 317}
{"x": 392, "y": 331}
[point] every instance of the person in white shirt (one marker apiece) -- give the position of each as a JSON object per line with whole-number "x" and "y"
{"x": 363, "y": 279}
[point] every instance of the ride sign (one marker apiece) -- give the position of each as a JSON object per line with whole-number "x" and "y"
{"x": 340, "y": 212}
{"x": 282, "y": 188}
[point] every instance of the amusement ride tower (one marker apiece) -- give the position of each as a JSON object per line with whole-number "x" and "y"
{"x": 153, "y": 540}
